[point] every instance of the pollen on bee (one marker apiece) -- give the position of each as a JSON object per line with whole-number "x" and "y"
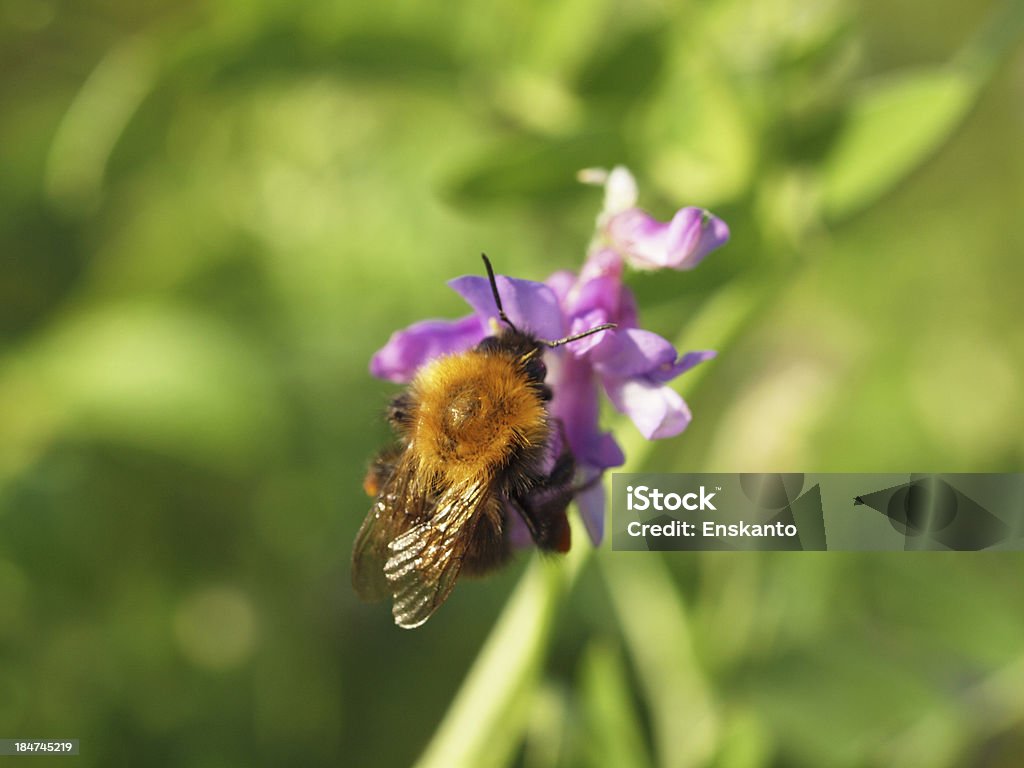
{"x": 370, "y": 484}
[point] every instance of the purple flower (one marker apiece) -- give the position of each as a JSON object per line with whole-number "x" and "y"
{"x": 682, "y": 243}
{"x": 630, "y": 365}
{"x": 644, "y": 242}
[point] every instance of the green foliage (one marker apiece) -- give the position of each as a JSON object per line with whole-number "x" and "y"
{"x": 890, "y": 128}
{"x": 614, "y": 733}
{"x": 212, "y": 215}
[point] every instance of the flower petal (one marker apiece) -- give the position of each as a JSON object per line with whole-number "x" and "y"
{"x": 582, "y": 324}
{"x": 575, "y": 406}
{"x": 574, "y": 402}
{"x": 561, "y": 282}
{"x": 631, "y": 352}
{"x": 602, "y": 292}
{"x": 658, "y": 411}
{"x": 620, "y": 192}
{"x": 410, "y": 348}
{"x": 680, "y": 244}
{"x": 604, "y": 452}
{"x": 666, "y": 373}
{"x": 531, "y": 306}
{"x": 591, "y": 504}
{"x": 602, "y": 262}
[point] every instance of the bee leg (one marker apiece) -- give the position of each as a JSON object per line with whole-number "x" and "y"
{"x": 565, "y": 467}
{"x": 382, "y": 467}
{"x": 543, "y": 507}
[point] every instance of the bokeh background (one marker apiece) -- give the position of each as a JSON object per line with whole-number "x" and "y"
{"x": 211, "y": 214}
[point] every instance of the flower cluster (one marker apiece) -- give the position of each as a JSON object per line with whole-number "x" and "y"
{"x": 632, "y": 366}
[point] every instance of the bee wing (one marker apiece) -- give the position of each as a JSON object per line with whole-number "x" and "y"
{"x": 425, "y": 561}
{"x": 399, "y": 505}
{"x": 370, "y": 553}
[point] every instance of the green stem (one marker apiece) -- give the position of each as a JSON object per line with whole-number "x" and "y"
{"x": 486, "y": 720}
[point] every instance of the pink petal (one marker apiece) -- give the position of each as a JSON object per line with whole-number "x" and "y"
{"x": 532, "y": 307}
{"x": 407, "y": 350}
{"x": 657, "y": 410}
{"x": 679, "y": 244}
{"x": 591, "y": 504}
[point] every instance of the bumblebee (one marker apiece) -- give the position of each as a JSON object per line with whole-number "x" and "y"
{"x": 474, "y": 442}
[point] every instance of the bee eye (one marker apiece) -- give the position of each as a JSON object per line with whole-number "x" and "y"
{"x": 536, "y": 369}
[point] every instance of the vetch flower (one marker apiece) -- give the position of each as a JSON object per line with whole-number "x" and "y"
{"x": 630, "y": 365}
{"x": 644, "y": 242}
{"x": 681, "y": 243}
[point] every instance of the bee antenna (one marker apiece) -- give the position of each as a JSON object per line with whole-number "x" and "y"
{"x": 577, "y": 336}
{"x": 494, "y": 291}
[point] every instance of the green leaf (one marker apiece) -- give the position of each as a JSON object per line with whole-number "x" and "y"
{"x": 656, "y": 626}
{"x": 893, "y": 125}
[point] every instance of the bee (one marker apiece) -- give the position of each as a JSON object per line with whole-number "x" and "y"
{"x": 474, "y": 439}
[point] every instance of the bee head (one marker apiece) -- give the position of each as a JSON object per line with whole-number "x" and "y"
{"x": 516, "y": 340}
{"x": 527, "y": 349}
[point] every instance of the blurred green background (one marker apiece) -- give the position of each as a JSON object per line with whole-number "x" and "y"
{"x": 212, "y": 214}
